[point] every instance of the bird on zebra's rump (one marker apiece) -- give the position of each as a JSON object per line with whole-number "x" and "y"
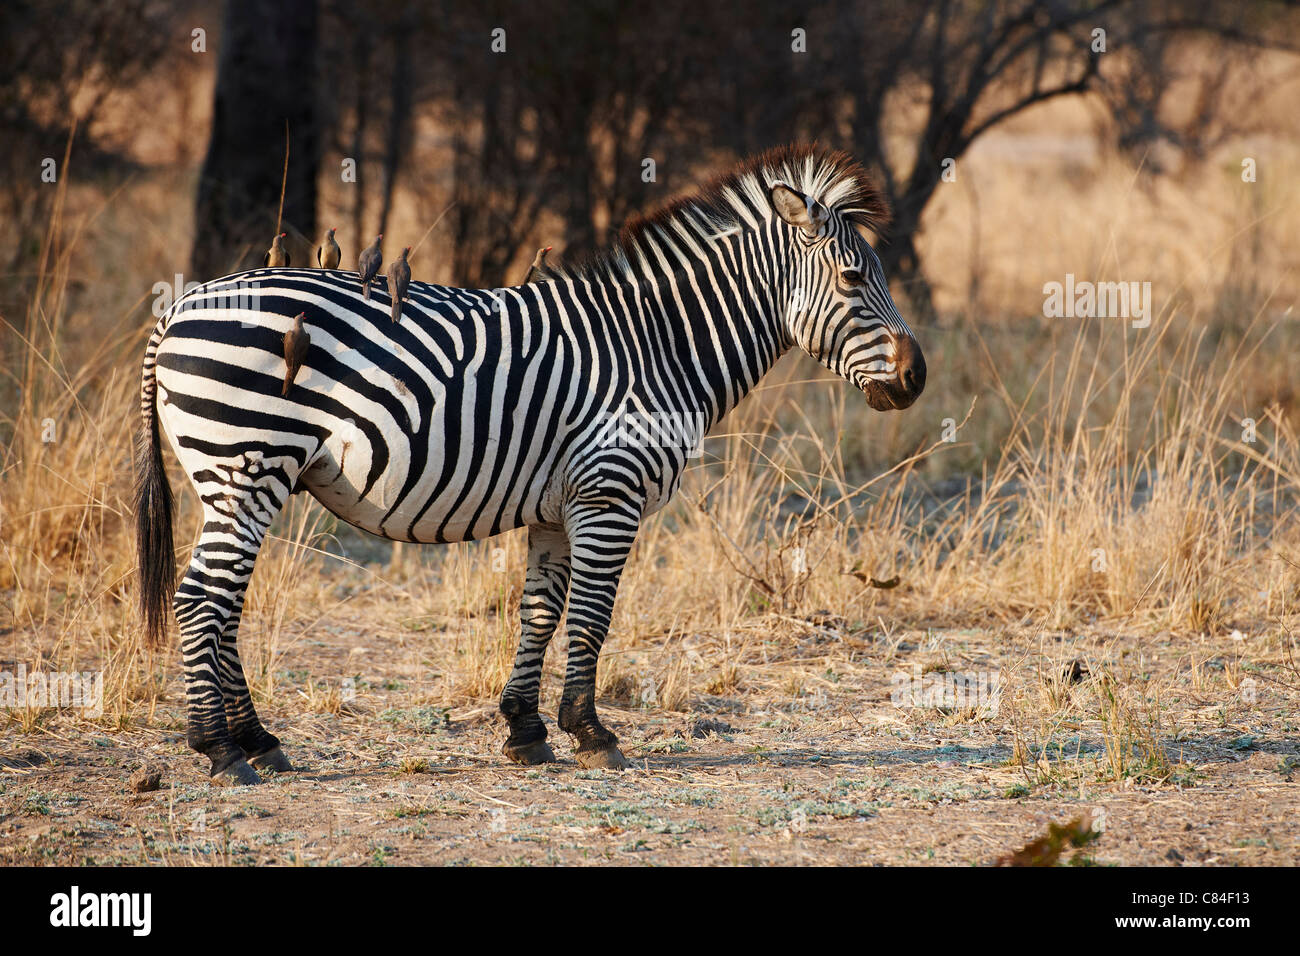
{"x": 297, "y": 342}
{"x": 277, "y": 257}
{"x": 490, "y": 409}
{"x": 368, "y": 263}
{"x": 399, "y": 279}
{"x": 328, "y": 253}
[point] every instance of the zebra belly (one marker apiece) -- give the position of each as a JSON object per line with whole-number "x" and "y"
{"x": 414, "y": 508}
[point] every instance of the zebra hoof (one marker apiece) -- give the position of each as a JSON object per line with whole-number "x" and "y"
{"x": 605, "y": 758}
{"x": 273, "y": 759}
{"x": 539, "y": 751}
{"x": 237, "y": 774}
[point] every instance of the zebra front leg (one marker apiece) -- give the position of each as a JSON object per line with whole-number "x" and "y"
{"x": 545, "y": 587}
{"x": 599, "y": 541}
{"x": 261, "y": 749}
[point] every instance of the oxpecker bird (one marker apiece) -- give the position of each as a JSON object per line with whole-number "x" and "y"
{"x": 399, "y": 277}
{"x": 539, "y": 271}
{"x": 277, "y": 257}
{"x": 296, "y": 343}
{"x": 369, "y": 263}
{"x": 328, "y": 253}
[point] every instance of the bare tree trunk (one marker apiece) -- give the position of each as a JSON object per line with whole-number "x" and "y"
{"x": 899, "y": 255}
{"x": 265, "y": 77}
{"x": 902, "y": 263}
{"x": 398, "y": 137}
{"x": 361, "y": 58}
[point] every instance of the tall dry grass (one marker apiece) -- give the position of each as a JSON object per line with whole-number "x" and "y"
{"x": 1122, "y": 493}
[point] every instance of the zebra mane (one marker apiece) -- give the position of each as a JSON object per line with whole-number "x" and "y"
{"x": 739, "y": 198}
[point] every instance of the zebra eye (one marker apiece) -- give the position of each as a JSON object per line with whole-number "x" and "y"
{"x": 851, "y": 276}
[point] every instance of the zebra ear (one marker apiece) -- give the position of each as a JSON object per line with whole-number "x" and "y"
{"x": 799, "y": 210}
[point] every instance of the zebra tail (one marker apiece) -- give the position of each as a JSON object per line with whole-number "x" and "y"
{"x": 155, "y": 551}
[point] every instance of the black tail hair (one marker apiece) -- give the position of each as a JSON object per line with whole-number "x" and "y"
{"x": 153, "y": 529}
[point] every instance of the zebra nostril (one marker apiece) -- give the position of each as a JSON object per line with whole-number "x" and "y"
{"x": 911, "y": 368}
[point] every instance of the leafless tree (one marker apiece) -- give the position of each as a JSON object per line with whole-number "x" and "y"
{"x": 266, "y": 82}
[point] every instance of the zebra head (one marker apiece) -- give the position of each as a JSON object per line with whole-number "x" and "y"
{"x": 840, "y": 311}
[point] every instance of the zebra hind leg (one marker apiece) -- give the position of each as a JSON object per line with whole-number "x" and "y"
{"x": 261, "y": 748}
{"x": 600, "y": 541}
{"x": 545, "y": 587}
{"x": 207, "y": 605}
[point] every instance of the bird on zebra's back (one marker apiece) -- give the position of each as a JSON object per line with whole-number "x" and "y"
{"x": 399, "y": 277}
{"x": 539, "y": 271}
{"x": 371, "y": 258}
{"x": 296, "y": 344}
{"x": 328, "y": 253}
{"x": 277, "y": 257}
{"x": 498, "y": 417}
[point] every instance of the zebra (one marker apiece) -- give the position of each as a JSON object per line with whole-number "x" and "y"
{"x": 487, "y": 410}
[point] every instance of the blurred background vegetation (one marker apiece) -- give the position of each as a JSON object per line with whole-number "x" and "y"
{"x": 540, "y": 131}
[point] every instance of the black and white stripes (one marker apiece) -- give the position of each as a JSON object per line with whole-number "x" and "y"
{"x": 486, "y": 410}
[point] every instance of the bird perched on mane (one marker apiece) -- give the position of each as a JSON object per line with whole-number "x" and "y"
{"x": 296, "y": 343}
{"x": 368, "y": 265}
{"x": 399, "y": 277}
{"x": 277, "y": 257}
{"x": 539, "y": 271}
{"x": 328, "y": 253}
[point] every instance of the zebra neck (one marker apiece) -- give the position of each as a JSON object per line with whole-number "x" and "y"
{"x": 710, "y": 329}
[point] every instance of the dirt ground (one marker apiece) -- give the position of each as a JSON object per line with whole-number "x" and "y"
{"x": 806, "y": 758}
